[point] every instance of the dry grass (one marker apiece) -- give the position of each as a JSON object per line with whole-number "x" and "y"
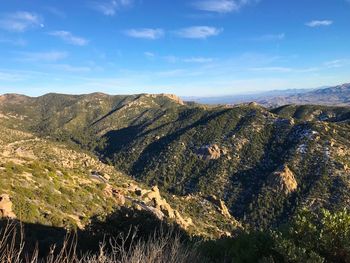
{"x": 159, "y": 248}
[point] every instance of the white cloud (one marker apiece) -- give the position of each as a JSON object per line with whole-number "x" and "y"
{"x": 337, "y": 63}
{"x": 5, "y": 76}
{"x": 68, "y": 37}
{"x": 273, "y": 69}
{"x": 149, "y": 54}
{"x": 50, "y": 56}
{"x": 145, "y": 33}
{"x": 222, "y": 6}
{"x": 285, "y": 69}
{"x": 71, "y": 69}
{"x": 271, "y": 37}
{"x": 199, "y": 60}
{"x": 318, "y": 23}
{"x": 110, "y": 8}
{"x": 55, "y": 11}
{"x": 20, "y": 21}
{"x": 198, "y": 32}
{"x": 15, "y": 42}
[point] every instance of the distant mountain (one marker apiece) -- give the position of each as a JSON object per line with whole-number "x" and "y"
{"x": 333, "y": 96}
{"x": 242, "y": 98}
{"x": 221, "y": 166}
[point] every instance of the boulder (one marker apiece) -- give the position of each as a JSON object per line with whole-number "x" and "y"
{"x": 6, "y": 207}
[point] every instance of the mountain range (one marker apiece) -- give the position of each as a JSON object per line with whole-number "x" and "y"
{"x": 331, "y": 96}
{"x": 212, "y": 170}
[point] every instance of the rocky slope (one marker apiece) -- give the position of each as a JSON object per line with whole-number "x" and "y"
{"x": 216, "y": 164}
{"x": 47, "y": 182}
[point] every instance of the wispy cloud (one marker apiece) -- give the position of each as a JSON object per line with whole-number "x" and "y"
{"x": 69, "y": 38}
{"x": 318, "y": 23}
{"x": 110, "y": 8}
{"x": 199, "y": 60}
{"x": 71, "y": 69}
{"x": 145, "y": 33}
{"x": 20, "y": 21}
{"x": 221, "y": 6}
{"x": 337, "y": 63}
{"x": 285, "y": 69}
{"x": 50, "y": 56}
{"x": 5, "y": 76}
{"x": 55, "y": 11}
{"x": 149, "y": 54}
{"x": 12, "y": 41}
{"x": 270, "y": 37}
{"x": 198, "y": 32}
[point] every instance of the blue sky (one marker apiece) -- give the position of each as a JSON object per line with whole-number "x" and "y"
{"x": 186, "y": 47}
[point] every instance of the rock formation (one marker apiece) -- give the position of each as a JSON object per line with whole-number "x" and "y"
{"x": 6, "y": 207}
{"x": 220, "y": 205}
{"x": 283, "y": 180}
{"x": 211, "y": 152}
{"x": 158, "y": 202}
{"x": 169, "y": 96}
{"x": 154, "y": 199}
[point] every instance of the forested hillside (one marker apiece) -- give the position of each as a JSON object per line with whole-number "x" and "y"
{"x": 263, "y": 165}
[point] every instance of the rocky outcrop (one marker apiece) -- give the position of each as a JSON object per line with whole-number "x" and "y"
{"x": 169, "y": 96}
{"x": 211, "y": 152}
{"x": 283, "y": 180}
{"x": 152, "y": 201}
{"x": 220, "y": 205}
{"x": 6, "y": 207}
{"x": 158, "y": 202}
{"x": 174, "y": 98}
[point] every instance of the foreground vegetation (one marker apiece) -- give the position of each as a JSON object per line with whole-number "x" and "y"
{"x": 158, "y": 248}
{"x": 310, "y": 237}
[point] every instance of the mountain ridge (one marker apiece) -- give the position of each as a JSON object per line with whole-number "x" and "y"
{"x": 235, "y": 153}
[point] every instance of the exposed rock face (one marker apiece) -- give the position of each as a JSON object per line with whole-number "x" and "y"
{"x": 6, "y": 207}
{"x": 158, "y": 202}
{"x": 220, "y": 205}
{"x": 174, "y": 98}
{"x": 170, "y": 96}
{"x": 283, "y": 180}
{"x": 154, "y": 198}
{"x": 147, "y": 200}
{"x": 211, "y": 152}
